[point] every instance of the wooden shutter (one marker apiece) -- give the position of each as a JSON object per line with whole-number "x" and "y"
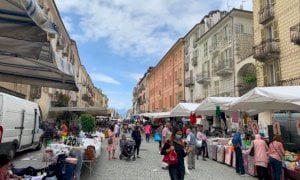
{"x": 277, "y": 73}
{"x": 265, "y": 74}
{"x": 263, "y": 34}
{"x": 275, "y": 30}
{"x": 273, "y": 2}
{"x": 261, "y": 5}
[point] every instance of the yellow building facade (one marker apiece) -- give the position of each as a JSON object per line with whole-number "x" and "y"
{"x": 277, "y": 38}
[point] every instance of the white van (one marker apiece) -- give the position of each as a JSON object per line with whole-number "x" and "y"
{"x": 19, "y": 125}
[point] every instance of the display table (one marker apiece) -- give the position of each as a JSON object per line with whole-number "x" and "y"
{"x": 228, "y": 155}
{"x": 291, "y": 175}
{"x": 220, "y": 153}
{"x": 214, "y": 152}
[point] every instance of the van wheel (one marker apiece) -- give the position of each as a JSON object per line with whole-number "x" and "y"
{"x": 39, "y": 147}
{"x": 12, "y": 151}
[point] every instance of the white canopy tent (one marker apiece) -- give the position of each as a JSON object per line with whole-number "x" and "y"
{"x": 156, "y": 114}
{"x": 269, "y": 98}
{"x": 184, "y": 109}
{"x": 208, "y": 106}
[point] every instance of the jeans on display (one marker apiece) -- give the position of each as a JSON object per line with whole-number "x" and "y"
{"x": 79, "y": 155}
{"x": 239, "y": 163}
{"x": 276, "y": 168}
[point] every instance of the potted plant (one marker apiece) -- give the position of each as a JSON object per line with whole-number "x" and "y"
{"x": 88, "y": 123}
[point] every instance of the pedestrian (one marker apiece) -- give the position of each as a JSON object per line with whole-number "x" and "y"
{"x": 159, "y": 132}
{"x": 237, "y": 143}
{"x": 176, "y": 171}
{"x": 5, "y": 165}
{"x": 201, "y": 136}
{"x": 260, "y": 157}
{"x": 276, "y": 151}
{"x": 147, "y": 130}
{"x": 112, "y": 143}
{"x": 136, "y": 136}
{"x": 166, "y": 135}
{"x": 184, "y": 128}
{"x": 191, "y": 144}
{"x": 116, "y": 129}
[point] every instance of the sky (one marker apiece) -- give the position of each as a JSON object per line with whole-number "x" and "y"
{"x": 119, "y": 39}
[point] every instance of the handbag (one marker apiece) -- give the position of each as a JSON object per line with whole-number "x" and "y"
{"x": 171, "y": 158}
{"x": 198, "y": 143}
{"x": 157, "y": 137}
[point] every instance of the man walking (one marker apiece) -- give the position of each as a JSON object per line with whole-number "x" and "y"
{"x": 191, "y": 142}
{"x": 166, "y": 134}
{"x": 237, "y": 143}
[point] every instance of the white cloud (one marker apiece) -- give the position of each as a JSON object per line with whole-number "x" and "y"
{"x": 136, "y": 76}
{"x": 104, "y": 78}
{"x": 135, "y": 27}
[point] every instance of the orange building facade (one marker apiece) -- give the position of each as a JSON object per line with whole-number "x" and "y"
{"x": 165, "y": 80}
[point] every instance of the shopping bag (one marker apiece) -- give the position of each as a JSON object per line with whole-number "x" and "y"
{"x": 157, "y": 137}
{"x": 199, "y": 143}
{"x": 171, "y": 158}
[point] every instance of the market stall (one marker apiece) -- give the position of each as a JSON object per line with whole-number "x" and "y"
{"x": 184, "y": 109}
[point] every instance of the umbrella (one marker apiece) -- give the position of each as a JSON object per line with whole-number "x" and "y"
{"x": 184, "y": 109}
{"x": 208, "y": 106}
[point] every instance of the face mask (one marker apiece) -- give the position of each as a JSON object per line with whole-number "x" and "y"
{"x": 177, "y": 136}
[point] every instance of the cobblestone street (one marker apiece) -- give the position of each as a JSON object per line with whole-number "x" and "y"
{"x": 148, "y": 167}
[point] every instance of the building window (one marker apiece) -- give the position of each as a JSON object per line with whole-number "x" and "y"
{"x": 270, "y": 32}
{"x": 205, "y": 49}
{"x": 206, "y": 94}
{"x": 226, "y": 33}
{"x": 217, "y": 88}
{"x": 239, "y": 28}
{"x": 191, "y": 95}
{"x": 205, "y": 67}
{"x": 271, "y": 74}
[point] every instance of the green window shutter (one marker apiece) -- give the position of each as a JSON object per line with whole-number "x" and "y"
{"x": 275, "y": 30}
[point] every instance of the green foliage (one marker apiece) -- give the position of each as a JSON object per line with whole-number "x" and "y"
{"x": 88, "y": 123}
{"x": 249, "y": 78}
{"x": 62, "y": 100}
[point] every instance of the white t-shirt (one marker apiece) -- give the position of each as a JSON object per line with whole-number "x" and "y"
{"x": 166, "y": 133}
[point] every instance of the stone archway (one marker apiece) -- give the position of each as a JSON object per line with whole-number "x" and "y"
{"x": 246, "y": 78}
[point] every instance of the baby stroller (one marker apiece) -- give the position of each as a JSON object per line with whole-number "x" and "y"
{"x": 127, "y": 149}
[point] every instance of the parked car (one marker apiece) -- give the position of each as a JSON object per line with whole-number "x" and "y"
{"x": 19, "y": 125}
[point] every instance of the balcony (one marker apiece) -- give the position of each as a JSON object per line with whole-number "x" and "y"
{"x": 266, "y": 50}
{"x": 295, "y": 34}
{"x": 186, "y": 66}
{"x": 224, "y": 67}
{"x": 266, "y": 14}
{"x": 189, "y": 82}
{"x": 195, "y": 61}
{"x": 203, "y": 77}
{"x": 214, "y": 48}
{"x": 179, "y": 82}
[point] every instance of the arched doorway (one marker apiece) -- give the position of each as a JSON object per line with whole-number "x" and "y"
{"x": 247, "y": 78}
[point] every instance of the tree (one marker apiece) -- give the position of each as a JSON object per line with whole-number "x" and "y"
{"x": 88, "y": 123}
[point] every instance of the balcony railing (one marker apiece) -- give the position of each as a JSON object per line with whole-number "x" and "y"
{"x": 224, "y": 67}
{"x": 186, "y": 66}
{"x": 295, "y": 34}
{"x": 214, "y": 48}
{"x": 266, "y": 50}
{"x": 189, "y": 81}
{"x": 195, "y": 61}
{"x": 203, "y": 77}
{"x": 266, "y": 14}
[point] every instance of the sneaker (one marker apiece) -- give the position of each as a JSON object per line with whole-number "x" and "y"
{"x": 138, "y": 157}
